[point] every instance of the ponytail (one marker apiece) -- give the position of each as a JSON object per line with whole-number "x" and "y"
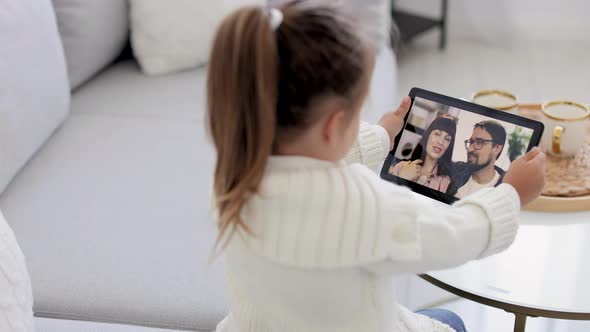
{"x": 241, "y": 111}
{"x": 264, "y": 81}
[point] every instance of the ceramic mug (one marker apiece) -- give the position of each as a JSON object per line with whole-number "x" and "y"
{"x": 497, "y": 99}
{"x": 565, "y": 127}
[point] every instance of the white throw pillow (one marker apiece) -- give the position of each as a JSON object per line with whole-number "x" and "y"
{"x": 174, "y": 35}
{"x": 373, "y": 15}
{"x": 34, "y": 90}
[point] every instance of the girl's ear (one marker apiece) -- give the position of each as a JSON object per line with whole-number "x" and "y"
{"x": 335, "y": 120}
{"x": 334, "y": 126}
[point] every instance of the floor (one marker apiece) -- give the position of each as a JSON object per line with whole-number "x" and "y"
{"x": 534, "y": 71}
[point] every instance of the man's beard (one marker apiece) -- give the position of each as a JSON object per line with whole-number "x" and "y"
{"x": 474, "y": 166}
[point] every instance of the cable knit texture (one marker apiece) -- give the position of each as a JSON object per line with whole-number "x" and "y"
{"x": 16, "y": 296}
{"x": 327, "y": 237}
{"x": 374, "y": 141}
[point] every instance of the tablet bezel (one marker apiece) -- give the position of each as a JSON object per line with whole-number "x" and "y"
{"x": 536, "y": 126}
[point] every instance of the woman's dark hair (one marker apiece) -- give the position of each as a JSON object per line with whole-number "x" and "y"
{"x": 262, "y": 83}
{"x": 444, "y": 163}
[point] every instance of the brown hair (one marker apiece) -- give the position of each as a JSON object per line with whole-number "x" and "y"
{"x": 262, "y": 81}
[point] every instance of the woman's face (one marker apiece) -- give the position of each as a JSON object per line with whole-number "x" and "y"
{"x": 438, "y": 143}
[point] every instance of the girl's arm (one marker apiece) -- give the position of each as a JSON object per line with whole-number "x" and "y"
{"x": 427, "y": 236}
{"x": 371, "y": 147}
{"x": 375, "y": 141}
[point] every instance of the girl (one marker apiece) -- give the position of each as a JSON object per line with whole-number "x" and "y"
{"x": 431, "y": 166}
{"x": 310, "y": 242}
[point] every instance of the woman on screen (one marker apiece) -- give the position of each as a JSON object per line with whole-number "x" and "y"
{"x": 431, "y": 167}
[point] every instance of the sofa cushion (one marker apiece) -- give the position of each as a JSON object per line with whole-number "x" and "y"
{"x": 383, "y": 93}
{"x": 177, "y": 95}
{"x": 125, "y": 91}
{"x": 34, "y": 94}
{"x": 172, "y": 36}
{"x": 113, "y": 213}
{"x": 93, "y": 33}
{"x": 375, "y": 16}
{"x": 66, "y": 325}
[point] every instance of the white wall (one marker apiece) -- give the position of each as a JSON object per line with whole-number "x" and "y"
{"x": 511, "y": 20}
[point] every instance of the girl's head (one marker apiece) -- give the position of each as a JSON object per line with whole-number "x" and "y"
{"x": 437, "y": 143}
{"x": 296, "y": 89}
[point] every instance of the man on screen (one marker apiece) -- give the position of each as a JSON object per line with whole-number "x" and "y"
{"x": 484, "y": 147}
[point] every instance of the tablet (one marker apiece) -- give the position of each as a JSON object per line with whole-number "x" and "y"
{"x": 450, "y": 148}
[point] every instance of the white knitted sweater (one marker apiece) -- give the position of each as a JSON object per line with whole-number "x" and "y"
{"x": 16, "y": 295}
{"x": 328, "y": 236}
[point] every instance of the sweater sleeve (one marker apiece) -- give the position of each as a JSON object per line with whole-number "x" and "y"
{"x": 371, "y": 146}
{"x": 480, "y": 225}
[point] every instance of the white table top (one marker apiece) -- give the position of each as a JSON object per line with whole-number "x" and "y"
{"x": 545, "y": 272}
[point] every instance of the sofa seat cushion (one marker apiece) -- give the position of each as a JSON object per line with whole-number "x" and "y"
{"x": 65, "y": 325}
{"x": 34, "y": 93}
{"x": 113, "y": 213}
{"x": 124, "y": 91}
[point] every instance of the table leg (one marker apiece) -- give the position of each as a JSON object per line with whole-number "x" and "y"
{"x": 519, "y": 322}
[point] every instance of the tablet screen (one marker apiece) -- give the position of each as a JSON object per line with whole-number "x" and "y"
{"x": 448, "y": 152}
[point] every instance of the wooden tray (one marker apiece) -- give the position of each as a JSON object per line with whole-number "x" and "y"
{"x": 569, "y": 191}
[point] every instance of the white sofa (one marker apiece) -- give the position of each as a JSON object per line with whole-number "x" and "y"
{"x": 110, "y": 197}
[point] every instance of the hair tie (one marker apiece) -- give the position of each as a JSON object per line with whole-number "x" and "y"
{"x": 276, "y": 18}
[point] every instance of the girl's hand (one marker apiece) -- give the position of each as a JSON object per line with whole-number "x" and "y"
{"x": 527, "y": 175}
{"x": 411, "y": 170}
{"x": 393, "y": 122}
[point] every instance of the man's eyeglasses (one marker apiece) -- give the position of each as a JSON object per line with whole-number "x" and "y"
{"x": 476, "y": 143}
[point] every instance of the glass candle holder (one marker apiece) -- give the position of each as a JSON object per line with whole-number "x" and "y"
{"x": 497, "y": 99}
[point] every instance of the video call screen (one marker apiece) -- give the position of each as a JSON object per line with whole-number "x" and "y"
{"x": 456, "y": 152}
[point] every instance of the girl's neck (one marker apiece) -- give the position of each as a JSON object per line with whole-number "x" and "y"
{"x": 306, "y": 145}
